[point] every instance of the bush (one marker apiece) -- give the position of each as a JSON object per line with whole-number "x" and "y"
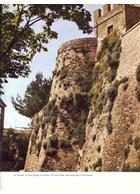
{"x": 53, "y": 121}
{"x": 81, "y": 134}
{"x": 136, "y": 143}
{"x": 110, "y": 106}
{"x": 126, "y": 152}
{"x": 112, "y": 92}
{"x": 112, "y": 75}
{"x": 63, "y": 143}
{"x": 54, "y": 142}
{"x": 138, "y": 73}
{"x": 130, "y": 140}
{"x": 109, "y": 127}
{"x": 82, "y": 100}
{"x": 51, "y": 152}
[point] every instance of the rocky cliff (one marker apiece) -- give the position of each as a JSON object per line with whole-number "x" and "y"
{"x": 91, "y": 122}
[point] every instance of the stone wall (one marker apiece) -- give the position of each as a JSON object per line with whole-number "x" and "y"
{"x": 111, "y": 148}
{"x": 113, "y": 17}
{"x": 57, "y": 129}
{"x": 121, "y": 17}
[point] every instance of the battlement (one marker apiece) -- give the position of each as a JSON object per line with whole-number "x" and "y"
{"x": 107, "y": 8}
{"x": 116, "y": 16}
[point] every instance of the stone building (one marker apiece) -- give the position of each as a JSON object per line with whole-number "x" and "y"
{"x": 118, "y": 16}
{"x": 71, "y": 135}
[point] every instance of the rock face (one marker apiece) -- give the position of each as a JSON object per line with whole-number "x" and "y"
{"x": 91, "y": 122}
{"x": 60, "y": 127}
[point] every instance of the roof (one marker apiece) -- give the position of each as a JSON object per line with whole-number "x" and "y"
{"x": 2, "y": 104}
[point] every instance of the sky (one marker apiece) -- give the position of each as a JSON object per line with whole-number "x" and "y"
{"x": 42, "y": 62}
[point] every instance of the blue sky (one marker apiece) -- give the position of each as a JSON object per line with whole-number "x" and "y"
{"x": 42, "y": 62}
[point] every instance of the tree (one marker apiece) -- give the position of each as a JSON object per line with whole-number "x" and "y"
{"x": 19, "y": 42}
{"x": 35, "y": 97}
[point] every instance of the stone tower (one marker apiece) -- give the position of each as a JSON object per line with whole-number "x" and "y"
{"x": 118, "y": 16}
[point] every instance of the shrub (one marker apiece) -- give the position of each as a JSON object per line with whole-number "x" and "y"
{"x": 113, "y": 63}
{"x": 136, "y": 143}
{"x": 63, "y": 119}
{"x": 81, "y": 134}
{"x": 109, "y": 117}
{"x": 110, "y": 106}
{"x": 109, "y": 127}
{"x": 138, "y": 73}
{"x": 112, "y": 92}
{"x": 138, "y": 93}
{"x": 82, "y": 100}
{"x": 112, "y": 75}
{"x": 63, "y": 143}
{"x": 130, "y": 140}
{"x": 126, "y": 152}
{"x": 51, "y": 152}
{"x": 53, "y": 121}
{"x": 54, "y": 142}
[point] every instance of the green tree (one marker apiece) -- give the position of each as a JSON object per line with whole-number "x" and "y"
{"x": 35, "y": 97}
{"x": 19, "y": 42}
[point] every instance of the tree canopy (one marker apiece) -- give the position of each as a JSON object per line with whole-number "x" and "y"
{"x": 35, "y": 97}
{"x": 19, "y": 42}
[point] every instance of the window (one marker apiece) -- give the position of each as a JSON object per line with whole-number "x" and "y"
{"x": 110, "y": 29}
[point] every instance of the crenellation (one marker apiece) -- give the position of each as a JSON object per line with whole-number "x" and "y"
{"x": 106, "y": 9}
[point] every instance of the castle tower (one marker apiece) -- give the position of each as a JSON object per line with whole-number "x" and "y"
{"x": 121, "y": 17}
